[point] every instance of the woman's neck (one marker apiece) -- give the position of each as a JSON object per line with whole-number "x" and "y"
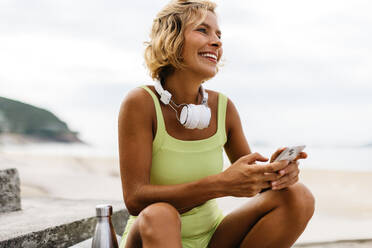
{"x": 183, "y": 87}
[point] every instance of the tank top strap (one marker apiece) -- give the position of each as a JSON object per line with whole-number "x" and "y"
{"x": 222, "y": 106}
{"x": 160, "y": 130}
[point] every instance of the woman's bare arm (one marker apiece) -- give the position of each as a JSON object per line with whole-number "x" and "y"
{"x": 236, "y": 145}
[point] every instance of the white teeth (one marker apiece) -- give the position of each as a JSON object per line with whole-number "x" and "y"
{"x": 209, "y": 55}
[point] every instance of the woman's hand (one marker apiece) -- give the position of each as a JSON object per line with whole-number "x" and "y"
{"x": 288, "y": 175}
{"x": 245, "y": 178}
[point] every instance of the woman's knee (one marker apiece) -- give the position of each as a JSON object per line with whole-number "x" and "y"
{"x": 299, "y": 200}
{"x": 159, "y": 216}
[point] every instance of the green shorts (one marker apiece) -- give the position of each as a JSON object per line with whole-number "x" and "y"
{"x": 197, "y": 225}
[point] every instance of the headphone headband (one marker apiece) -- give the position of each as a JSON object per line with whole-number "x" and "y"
{"x": 165, "y": 96}
{"x": 192, "y": 116}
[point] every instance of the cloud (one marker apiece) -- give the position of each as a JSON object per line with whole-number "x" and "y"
{"x": 78, "y": 58}
{"x": 314, "y": 45}
{"x": 114, "y": 22}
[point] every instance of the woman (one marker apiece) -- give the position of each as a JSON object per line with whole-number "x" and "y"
{"x": 171, "y": 154}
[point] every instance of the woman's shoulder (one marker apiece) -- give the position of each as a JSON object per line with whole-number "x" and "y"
{"x": 138, "y": 95}
{"x": 217, "y": 94}
{"x": 231, "y": 110}
{"x": 137, "y": 100}
{"x": 212, "y": 94}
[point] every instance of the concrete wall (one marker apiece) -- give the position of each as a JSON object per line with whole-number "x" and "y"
{"x": 10, "y": 192}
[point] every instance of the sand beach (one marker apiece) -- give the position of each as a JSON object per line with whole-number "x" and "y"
{"x": 343, "y": 198}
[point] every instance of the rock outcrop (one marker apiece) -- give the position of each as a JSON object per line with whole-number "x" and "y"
{"x": 19, "y": 120}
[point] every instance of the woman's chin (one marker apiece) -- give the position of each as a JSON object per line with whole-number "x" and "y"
{"x": 209, "y": 72}
{"x": 204, "y": 72}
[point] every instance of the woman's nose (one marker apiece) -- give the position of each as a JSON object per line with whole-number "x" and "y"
{"x": 216, "y": 41}
{"x": 217, "y": 44}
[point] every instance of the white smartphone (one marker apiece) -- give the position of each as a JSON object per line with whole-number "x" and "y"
{"x": 290, "y": 153}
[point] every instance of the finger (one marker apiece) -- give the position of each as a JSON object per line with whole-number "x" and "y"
{"x": 292, "y": 166}
{"x": 274, "y": 167}
{"x": 271, "y": 176}
{"x": 287, "y": 184}
{"x": 265, "y": 185}
{"x": 301, "y": 155}
{"x": 281, "y": 181}
{"x": 250, "y": 158}
{"x": 276, "y": 154}
{"x": 285, "y": 179}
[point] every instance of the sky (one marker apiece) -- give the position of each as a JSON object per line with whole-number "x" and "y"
{"x": 298, "y": 71}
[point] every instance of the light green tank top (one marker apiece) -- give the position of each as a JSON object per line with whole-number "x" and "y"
{"x": 177, "y": 161}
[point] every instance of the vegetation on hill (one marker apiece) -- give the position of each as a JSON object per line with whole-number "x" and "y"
{"x": 21, "y": 118}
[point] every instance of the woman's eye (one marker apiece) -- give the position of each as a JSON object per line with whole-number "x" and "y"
{"x": 203, "y": 30}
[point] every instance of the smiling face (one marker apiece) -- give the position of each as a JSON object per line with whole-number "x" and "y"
{"x": 202, "y": 47}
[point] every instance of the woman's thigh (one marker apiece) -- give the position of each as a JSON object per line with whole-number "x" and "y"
{"x": 236, "y": 225}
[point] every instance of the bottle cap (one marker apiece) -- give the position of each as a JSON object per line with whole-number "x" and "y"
{"x": 104, "y": 210}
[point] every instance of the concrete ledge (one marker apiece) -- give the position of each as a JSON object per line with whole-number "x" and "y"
{"x": 360, "y": 243}
{"x": 334, "y": 244}
{"x": 88, "y": 243}
{"x": 10, "y": 191}
{"x": 48, "y": 222}
{"x": 53, "y": 222}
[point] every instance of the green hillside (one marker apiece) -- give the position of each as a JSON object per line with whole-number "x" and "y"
{"x": 20, "y": 118}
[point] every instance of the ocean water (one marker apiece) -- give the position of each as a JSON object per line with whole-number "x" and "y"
{"x": 322, "y": 158}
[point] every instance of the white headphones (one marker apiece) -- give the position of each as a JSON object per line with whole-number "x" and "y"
{"x": 192, "y": 116}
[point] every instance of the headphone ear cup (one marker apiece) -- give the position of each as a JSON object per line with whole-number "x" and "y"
{"x": 186, "y": 118}
{"x": 193, "y": 116}
{"x": 184, "y": 115}
{"x": 204, "y": 117}
{"x": 201, "y": 117}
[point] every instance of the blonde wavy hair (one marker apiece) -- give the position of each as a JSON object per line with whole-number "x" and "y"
{"x": 163, "y": 51}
